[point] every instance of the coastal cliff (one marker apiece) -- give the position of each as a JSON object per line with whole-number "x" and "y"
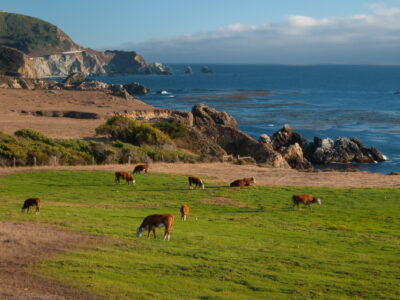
{"x": 54, "y": 54}
{"x": 15, "y": 63}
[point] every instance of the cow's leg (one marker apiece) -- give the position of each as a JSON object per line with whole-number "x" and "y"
{"x": 37, "y": 210}
{"x": 148, "y": 233}
{"x": 166, "y": 232}
{"x": 154, "y": 232}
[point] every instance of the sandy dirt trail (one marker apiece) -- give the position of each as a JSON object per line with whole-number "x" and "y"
{"x": 228, "y": 172}
{"x": 22, "y": 243}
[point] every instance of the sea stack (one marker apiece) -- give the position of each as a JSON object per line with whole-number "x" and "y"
{"x": 206, "y": 69}
{"x": 188, "y": 70}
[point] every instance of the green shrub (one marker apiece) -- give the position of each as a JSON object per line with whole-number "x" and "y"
{"x": 31, "y": 144}
{"x": 173, "y": 129}
{"x": 123, "y": 128}
{"x": 34, "y": 135}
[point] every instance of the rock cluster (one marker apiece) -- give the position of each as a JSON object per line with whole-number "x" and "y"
{"x": 207, "y": 116}
{"x": 205, "y": 69}
{"x": 188, "y": 70}
{"x": 75, "y": 81}
{"x": 300, "y": 153}
{"x": 343, "y": 150}
{"x": 220, "y": 135}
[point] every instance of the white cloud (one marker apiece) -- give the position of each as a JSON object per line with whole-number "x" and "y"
{"x": 372, "y": 38}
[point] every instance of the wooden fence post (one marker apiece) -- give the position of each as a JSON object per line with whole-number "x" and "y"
{"x": 14, "y": 163}
{"x": 129, "y": 159}
{"x": 34, "y": 161}
{"x": 55, "y": 160}
{"x": 92, "y": 160}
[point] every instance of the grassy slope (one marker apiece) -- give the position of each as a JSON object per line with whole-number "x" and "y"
{"x": 348, "y": 247}
{"x": 31, "y": 35}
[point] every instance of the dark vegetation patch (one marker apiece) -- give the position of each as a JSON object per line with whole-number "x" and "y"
{"x": 59, "y": 114}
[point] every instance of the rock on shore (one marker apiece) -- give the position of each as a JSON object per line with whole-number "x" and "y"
{"x": 323, "y": 151}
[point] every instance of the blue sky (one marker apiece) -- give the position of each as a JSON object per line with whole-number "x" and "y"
{"x": 221, "y": 30}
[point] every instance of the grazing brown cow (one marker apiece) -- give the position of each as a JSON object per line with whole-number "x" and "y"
{"x": 140, "y": 168}
{"x": 196, "y": 181}
{"x": 306, "y": 199}
{"x": 184, "y": 212}
{"x": 124, "y": 175}
{"x": 29, "y": 203}
{"x": 244, "y": 182}
{"x": 151, "y": 222}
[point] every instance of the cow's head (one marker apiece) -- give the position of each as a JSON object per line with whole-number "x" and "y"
{"x": 253, "y": 179}
{"x": 22, "y": 210}
{"x": 139, "y": 232}
{"x": 318, "y": 201}
{"x": 133, "y": 181}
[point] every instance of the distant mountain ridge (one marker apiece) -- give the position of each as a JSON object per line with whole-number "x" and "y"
{"x": 54, "y": 54}
{"x": 33, "y": 36}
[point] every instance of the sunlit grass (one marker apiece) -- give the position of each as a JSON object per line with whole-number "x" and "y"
{"x": 248, "y": 244}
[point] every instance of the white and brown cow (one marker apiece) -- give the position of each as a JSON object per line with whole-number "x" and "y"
{"x": 151, "y": 222}
{"x": 140, "y": 168}
{"x": 124, "y": 175}
{"x": 184, "y": 212}
{"x": 305, "y": 199}
{"x": 196, "y": 182}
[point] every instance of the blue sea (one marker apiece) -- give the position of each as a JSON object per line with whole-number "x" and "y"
{"x": 324, "y": 101}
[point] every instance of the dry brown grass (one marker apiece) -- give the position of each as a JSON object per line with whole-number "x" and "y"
{"x": 13, "y": 101}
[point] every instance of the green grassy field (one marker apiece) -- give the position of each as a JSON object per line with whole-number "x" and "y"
{"x": 243, "y": 243}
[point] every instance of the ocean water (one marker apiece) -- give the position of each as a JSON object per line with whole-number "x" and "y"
{"x": 324, "y": 101}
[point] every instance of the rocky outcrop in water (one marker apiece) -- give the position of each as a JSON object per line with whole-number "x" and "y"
{"x": 205, "y": 69}
{"x": 343, "y": 150}
{"x": 135, "y": 88}
{"x": 300, "y": 152}
{"x": 188, "y": 70}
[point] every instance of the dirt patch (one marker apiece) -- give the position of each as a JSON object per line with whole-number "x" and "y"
{"x": 227, "y": 172}
{"x": 222, "y": 201}
{"x": 22, "y": 243}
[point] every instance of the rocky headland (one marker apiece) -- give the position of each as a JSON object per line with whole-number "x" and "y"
{"x": 46, "y": 51}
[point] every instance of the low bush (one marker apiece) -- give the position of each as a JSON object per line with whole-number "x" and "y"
{"x": 173, "y": 129}
{"x": 123, "y": 128}
{"x": 28, "y": 145}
